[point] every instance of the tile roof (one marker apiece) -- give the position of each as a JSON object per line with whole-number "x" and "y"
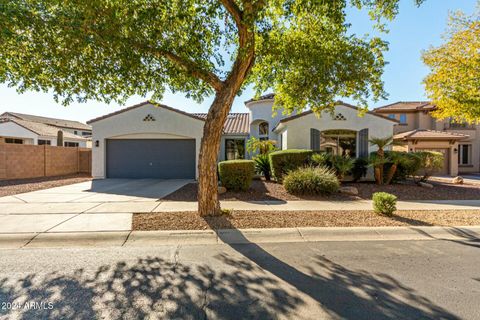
{"x": 406, "y": 106}
{"x": 422, "y": 134}
{"x": 338, "y": 103}
{"x": 268, "y": 96}
{"x": 50, "y": 121}
{"x": 40, "y": 128}
{"x": 236, "y": 123}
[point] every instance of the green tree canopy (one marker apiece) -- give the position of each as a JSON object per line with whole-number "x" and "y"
{"x": 109, "y": 50}
{"x": 454, "y": 80}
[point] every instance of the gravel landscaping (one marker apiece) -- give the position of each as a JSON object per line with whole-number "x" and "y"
{"x": 291, "y": 219}
{"x": 11, "y": 187}
{"x": 266, "y": 190}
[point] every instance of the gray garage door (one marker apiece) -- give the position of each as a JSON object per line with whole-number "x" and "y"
{"x": 148, "y": 158}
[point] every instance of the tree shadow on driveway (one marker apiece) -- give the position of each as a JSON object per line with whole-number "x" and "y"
{"x": 341, "y": 292}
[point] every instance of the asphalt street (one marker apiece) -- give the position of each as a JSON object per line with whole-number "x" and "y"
{"x": 308, "y": 280}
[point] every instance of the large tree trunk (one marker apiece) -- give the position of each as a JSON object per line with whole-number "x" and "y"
{"x": 212, "y": 132}
{"x": 217, "y": 114}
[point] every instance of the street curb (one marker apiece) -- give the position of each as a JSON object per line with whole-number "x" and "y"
{"x": 234, "y": 236}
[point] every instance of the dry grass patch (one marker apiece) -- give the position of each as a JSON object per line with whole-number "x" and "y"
{"x": 291, "y": 219}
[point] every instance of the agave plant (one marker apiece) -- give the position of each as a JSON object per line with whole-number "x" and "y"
{"x": 262, "y": 165}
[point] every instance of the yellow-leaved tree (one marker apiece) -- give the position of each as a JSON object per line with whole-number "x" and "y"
{"x": 453, "y": 84}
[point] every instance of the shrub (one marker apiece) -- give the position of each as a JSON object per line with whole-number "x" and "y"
{"x": 236, "y": 174}
{"x": 262, "y": 165}
{"x": 384, "y": 203}
{"x": 430, "y": 162}
{"x": 311, "y": 180}
{"x": 359, "y": 169}
{"x": 322, "y": 159}
{"x": 281, "y": 162}
{"x": 342, "y": 165}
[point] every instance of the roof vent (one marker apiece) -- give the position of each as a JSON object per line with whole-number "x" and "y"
{"x": 339, "y": 117}
{"x": 149, "y": 118}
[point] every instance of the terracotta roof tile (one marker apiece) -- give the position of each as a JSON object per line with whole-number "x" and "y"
{"x": 268, "y": 96}
{"x": 236, "y": 123}
{"x": 422, "y": 134}
{"x": 405, "y": 106}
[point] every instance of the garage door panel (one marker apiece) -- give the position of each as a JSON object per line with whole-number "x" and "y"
{"x": 151, "y": 158}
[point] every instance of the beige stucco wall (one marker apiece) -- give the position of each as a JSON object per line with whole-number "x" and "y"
{"x": 130, "y": 125}
{"x": 298, "y": 130}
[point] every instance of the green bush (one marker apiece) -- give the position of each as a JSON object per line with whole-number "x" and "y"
{"x": 311, "y": 180}
{"x": 281, "y": 162}
{"x": 322, "y": 159}
{"x": 430, "y": 163}
{"x": 236, "y": 174}
{"x": 262, "y": 165}
{"x": 384, "y": 203}
{"x": 342, "y": 165}
{"x": 359, "y": 169}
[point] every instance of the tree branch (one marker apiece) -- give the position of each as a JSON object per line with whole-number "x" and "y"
{"x": 193, "y": 69}
{"x": 234, "y": 11}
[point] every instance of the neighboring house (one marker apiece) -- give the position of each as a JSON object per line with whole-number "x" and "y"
{"x": 21, "y": 128}
{"x": 157, "y": 141}
{"x": 417, "y": 130}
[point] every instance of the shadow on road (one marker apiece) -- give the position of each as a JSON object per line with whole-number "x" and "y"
{"x": 344, "y": 293}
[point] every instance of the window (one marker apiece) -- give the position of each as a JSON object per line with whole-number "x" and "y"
{"x": 14, "y": 141}
{"x": 464, "y": 154}
{"x": 403, "y": 118}
{"x": 234, "y": 149}
{"x": 339, "y": 142}
{"x": 263, "y": 130}
{"x": 42, "y": 142}
{"x": 391, "y": 116}
{"x": 70, "y": 144}
{"x": 86, "y": 133}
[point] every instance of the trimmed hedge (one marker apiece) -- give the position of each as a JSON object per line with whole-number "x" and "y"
{"x": 236, "y": 174}
{"x": 311, "y": 180}
{"x": 283, "y": 161}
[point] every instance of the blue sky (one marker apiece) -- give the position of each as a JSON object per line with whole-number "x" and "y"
{"x": 414, "y": 30}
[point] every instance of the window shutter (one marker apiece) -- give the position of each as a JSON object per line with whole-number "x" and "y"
{"x": 314, "y": 139}
{"x": 363, "y": 143}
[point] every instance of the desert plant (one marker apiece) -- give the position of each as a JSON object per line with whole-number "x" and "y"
{"x": 255, "y": 145}
{"x": 384, "y": 203}
{"x": 430, "y": 162}
{"x": 311, "y": 180}
{"x": 321, "y": 159}
{"x": 381, "y": 143}
{"x": 395, "y": 159}
{"x": 359, "y": 169}
{"x": 236, "y": 174}
{"x": 283, "y": 161}
{"x": 262, "y": 165}
{"x": 377, "y": 163}
{"x": 342, "y": 165}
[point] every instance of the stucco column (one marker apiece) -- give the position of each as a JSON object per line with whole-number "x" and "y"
{"x": 453, "y": 160}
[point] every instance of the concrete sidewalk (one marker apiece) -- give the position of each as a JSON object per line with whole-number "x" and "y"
{"x": 234, "y": 236}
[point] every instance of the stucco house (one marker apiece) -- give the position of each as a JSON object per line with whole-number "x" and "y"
{"x": 417, "y": 130}
{"x": 19, "y": 128}
{"x": 148, "y": 140}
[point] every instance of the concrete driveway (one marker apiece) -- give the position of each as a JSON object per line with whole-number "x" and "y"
{"x": 98, "y": 205}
